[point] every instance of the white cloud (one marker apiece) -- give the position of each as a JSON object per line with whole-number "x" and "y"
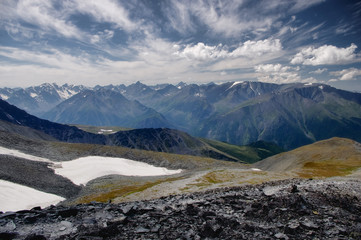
{"x": 326, "y": 55}
{"x": 271, "y": 68}
{"x": 319, "y": 71}
{"x": 257, "y": 48}
{"x": 105, "y": 11}
{"x": 300, "y": 5}
{"x": 277, "y": 73}
{"x": 248, "y": 49}
{"x": 49, "y": 57}
{"x": 53, "y": 17}
{"x": 101, "y": 36}
{"x": 200, "y": 51}
{"x": 225, "y": 17}
{"x": 347, "y": 74}
{"x": 43, "y": 14}
{"x": 232, "y": 17}
{"x": 179, "y": 16}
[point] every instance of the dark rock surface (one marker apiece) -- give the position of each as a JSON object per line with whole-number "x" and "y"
{"x": 321, "y": 209}
{"x": 36, "y": 175}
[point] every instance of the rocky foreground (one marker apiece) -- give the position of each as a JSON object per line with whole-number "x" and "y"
{"x": 290, "y": 209}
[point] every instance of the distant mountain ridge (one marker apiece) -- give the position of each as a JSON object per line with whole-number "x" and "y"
{"x": 104, "y": 107}
{"x": 290, "y": 115}
{"x": 15, "y": 120}
{"x": 39, "y": 99}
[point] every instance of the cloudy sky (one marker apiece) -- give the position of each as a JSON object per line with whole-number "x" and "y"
{"x": 104, "y": 42}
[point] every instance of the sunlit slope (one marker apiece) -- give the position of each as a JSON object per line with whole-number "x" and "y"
{"x": 327, "y": 158}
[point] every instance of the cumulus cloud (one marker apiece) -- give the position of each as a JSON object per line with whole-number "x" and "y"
{"x": 201, "y": 51}
{"x": 277, "y": 73}
{"x": 347, "y": 74}
{"x": 326, "y": 55}
{"x": 249, "y": 49}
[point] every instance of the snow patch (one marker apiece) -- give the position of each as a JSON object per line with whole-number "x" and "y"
{"x": 256, "y": 92}
{"x": 256, "y": 169}
{"x": 33, "y": 95}
{"x": 16, "y": 153}
{"x": 66, "y": 94}
{"x": 15, "y": 197}
{"x": 236, "y": 83}
{"x": 320, "y": 87}
{"x": 82, "y": 170}
{"x": 308, "y": 84}
{"x": 4, "y": 97}
{"x": 106, "y": 130}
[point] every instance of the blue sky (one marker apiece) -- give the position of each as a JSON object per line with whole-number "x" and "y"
{"x": 104, "y": 42}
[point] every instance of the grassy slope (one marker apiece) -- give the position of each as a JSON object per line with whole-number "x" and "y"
{"x": 247, "y": 154}
{"x": 327, "y": 158}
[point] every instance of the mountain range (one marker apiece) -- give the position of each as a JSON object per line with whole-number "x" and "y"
{"x": 18, "y": 121}
{"x": 289, "y": 115}
{"x": 105, "y": 107}
{"x": 39, "y": 99}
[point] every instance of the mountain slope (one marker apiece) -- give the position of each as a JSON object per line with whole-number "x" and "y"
{"x": 12, "y": 114}
{"x": 171, "y": 141}
{"x": 291, "y": 118}
{"x": 327, "y": 158}
{"x": 248, "y": 153}
{"x": 158, "y": 140}
{"x": 290, "y": 115}
{"x": 105, "y": 108}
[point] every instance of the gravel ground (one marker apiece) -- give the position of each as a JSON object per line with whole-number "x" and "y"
{"x": 287, "y": 209}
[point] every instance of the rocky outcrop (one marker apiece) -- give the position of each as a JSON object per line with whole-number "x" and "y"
{"x": 291, "y": 209}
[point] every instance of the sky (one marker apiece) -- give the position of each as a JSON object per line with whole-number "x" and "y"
{"x": 102, "y": 42}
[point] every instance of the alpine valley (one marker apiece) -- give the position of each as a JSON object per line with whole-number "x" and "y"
{"x": 289, "y": 115}
{"x": 238, "y": 160}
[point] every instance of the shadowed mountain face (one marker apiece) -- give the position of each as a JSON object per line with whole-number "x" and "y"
{"x": 290, "y": 115}
{"x": 58, "y": 131}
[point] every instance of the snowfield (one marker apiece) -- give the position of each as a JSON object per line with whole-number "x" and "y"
{"x": 15, "y": 197}
{"x": 82, "y": 170}
{"x": 16, "y": 153}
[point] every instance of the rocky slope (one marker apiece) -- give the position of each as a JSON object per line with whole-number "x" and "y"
{"x": 291, "y": 209}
